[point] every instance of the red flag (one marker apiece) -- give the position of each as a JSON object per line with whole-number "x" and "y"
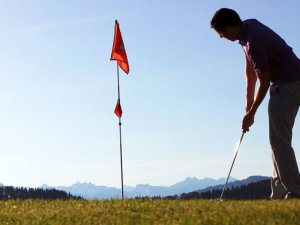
{"x": 118, "y": 51}
{"x": 118, "y": 109}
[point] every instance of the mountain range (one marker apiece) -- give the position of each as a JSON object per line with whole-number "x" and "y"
{"x": 237, "y": 183}
{"x": 92, "y": 191}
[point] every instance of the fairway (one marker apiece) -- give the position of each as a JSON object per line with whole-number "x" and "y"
{"x": 149, "y": 212}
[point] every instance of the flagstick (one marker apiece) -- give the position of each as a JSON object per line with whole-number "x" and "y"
{"x": 120, "y": 130}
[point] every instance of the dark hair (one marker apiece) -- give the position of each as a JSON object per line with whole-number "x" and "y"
{"x": 225, "y": 18}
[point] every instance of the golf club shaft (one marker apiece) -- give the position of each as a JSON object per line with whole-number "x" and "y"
{"x": 224, "y": 188}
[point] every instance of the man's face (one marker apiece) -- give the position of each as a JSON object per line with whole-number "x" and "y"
{"x": 230, "y": 33}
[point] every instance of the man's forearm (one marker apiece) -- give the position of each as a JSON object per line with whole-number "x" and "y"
{"x": 250, "y": 85}
{"x": 250, "y": 92}
{"x": 264, "y": 84}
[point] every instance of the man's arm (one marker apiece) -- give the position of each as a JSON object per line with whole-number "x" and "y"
{"x": 264, "y": 84}
{"x": 250, "y": 84}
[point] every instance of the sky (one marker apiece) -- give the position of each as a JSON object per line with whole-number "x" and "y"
{"x": 183, "y": 100}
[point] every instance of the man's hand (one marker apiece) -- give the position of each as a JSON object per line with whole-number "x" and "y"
{"x": 248, "y": 120}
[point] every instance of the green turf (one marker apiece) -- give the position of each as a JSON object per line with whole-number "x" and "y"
{"x": 147, "y": 211}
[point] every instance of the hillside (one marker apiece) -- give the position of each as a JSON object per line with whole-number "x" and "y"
{"x": 254, "y": 190}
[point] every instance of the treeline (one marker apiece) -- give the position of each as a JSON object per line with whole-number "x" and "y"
{"x": 10, "y": 192}
{"x": 256, "y": 190}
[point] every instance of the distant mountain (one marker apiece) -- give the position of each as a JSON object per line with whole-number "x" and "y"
{"x": 187, "y": 185}
{"x": 256, "y": 189}
{"x": 191, "y": 184}
{"x": 237, "y": 183}
{"x": 91, "y": 191}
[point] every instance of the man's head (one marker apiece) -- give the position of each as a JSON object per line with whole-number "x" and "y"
{"x": 227, "y": 23}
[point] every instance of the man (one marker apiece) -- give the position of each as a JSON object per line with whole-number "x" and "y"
{"x": 273, "y": 63}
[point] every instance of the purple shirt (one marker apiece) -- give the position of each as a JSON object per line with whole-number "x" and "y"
{"x": 268, "y": 52}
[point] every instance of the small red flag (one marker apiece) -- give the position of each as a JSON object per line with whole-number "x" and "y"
{"x": 118, "y": 50}
{"x": 118, "y": 109}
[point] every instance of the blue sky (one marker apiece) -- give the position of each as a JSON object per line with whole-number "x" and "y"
{"x": 183, "y": 100}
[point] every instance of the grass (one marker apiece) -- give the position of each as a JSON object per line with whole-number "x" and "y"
{"x": 149, "y": 212}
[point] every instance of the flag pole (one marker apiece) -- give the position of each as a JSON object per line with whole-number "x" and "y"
{"x": 120, "y": 132}
{"x": 119, "y": 54}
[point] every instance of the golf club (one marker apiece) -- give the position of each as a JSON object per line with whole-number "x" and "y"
{"x": 236, "y": 152}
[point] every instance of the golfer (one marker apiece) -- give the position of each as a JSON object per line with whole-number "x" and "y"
{"x": 273, "y": 63}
